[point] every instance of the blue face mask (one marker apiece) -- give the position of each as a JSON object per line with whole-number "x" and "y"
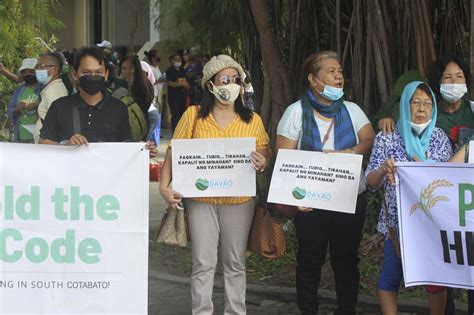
{"x": 42, "y": 76}
{"x": 330, "y": 92}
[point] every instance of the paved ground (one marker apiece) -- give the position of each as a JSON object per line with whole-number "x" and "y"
{"x": 171, "y": 298}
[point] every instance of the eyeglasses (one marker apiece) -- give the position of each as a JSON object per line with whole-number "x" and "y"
{"x": 43, "y": 66}
{"x": 225, "y": 79}
{"x": 417, "y": 103}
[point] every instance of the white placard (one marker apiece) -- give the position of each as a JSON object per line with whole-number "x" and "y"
{"x": 73, "y": 229}
{"x": 318, "y": 180}
{"x": 213, "y": 167}
{"x": 471, "y": 152}
{"x": 435, "y": 203}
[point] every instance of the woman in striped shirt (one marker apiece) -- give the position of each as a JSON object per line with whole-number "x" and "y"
{"x": 224, "y": 220}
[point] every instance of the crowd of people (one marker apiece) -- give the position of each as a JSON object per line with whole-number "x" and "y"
{"x": 141, "y": 85}
{"x": 112, "y": 96}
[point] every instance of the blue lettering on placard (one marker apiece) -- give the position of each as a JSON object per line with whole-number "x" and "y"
{"x": 316, "y": 195}
{"x": 220, "y": 183}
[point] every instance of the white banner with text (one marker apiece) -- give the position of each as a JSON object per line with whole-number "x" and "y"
{"x": 436, "y": 223}
{"x": 73, "y": 229}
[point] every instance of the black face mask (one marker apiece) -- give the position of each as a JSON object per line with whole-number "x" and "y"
{"x": 92, "y": 84}
{"x": 30, "y": 79}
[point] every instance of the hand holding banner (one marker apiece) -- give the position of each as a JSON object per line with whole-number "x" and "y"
{"x": 319, "y": 180}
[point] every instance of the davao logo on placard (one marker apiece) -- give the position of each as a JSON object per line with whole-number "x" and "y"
{"x": 299, "y": 193}
{"x": 202, "y": 184}
{"x": 428, "y": 200}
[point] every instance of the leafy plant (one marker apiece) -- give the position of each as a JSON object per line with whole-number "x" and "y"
{"x": 25, "y": 28}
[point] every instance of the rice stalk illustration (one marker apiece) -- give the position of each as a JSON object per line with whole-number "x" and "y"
{"x": 427, "y": 198}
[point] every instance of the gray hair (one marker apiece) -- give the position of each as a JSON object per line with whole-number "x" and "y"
{"x": 312, "y": 64}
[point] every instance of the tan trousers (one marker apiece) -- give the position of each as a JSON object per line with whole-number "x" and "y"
{"x": 227, "y": 226}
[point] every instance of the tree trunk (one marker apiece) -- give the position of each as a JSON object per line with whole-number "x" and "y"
{"x": 418, "y": 29}
{"x": 382, "y": 39}
{"x": 338, "y": 27}
{"x": 427, "y": 26}
{"x": 379, "y": 70}
{"x": 280, "y": 91}
{"x": 252, "y": 53}
{"x": 368, "y": 69}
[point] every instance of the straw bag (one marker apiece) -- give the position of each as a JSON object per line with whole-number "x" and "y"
{"x": 174, "y": 228}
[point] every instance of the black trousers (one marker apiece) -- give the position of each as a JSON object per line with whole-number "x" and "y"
{"x": 177, "y": 109}
{"x": 315, "y": 231}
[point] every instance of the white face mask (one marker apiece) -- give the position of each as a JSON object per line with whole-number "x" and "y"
{"x": 331, "y": 93}
{"x": 42, "y": 76}
{"x": 226, "y": 94}
{"x": 419, "y": 128}
{"x": 177, "y": 64}
{"x": 452, "y": 92}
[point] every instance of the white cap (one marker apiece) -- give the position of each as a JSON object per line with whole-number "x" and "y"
{"x": 105, "y": 44}
{"x": 28, "y": 63}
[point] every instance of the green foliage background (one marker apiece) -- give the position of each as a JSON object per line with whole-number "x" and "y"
{"x": 22, "y": 23}
{"x": 214, "y": 25}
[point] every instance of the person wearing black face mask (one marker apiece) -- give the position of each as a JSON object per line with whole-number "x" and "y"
{"x": 22, "y": 107}
{"x": 91, "y": 115}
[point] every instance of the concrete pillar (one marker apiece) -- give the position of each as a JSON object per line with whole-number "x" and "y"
{"x": 108, "y": 20}
{"x": 82, "y": 23}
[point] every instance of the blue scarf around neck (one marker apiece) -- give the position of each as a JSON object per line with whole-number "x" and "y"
{"x": 344, "y": 135}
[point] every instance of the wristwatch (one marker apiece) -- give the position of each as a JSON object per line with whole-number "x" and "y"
{"x": 64, "y": 142}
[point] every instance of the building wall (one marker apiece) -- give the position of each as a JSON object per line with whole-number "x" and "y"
{"x": 121, "y": 16}
{"x": 78, "y": 18}
{"x": 67, "y": 34}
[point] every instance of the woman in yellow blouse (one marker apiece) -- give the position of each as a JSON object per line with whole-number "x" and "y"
{"x": 223, "y": 221}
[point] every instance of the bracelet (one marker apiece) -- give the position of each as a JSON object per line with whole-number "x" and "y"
{"x": 353, "y": 151}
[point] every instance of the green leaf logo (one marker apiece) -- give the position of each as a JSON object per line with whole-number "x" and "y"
{"x": 202, "y": 184}
{"x": 298, "y": 193}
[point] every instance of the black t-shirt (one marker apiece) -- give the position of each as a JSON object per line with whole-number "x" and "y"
{"x": 107, "y": 121}
{"x": 176, "y": 95}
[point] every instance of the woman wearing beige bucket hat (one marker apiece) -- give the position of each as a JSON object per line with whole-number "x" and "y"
{"x": 223, "y": 221}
